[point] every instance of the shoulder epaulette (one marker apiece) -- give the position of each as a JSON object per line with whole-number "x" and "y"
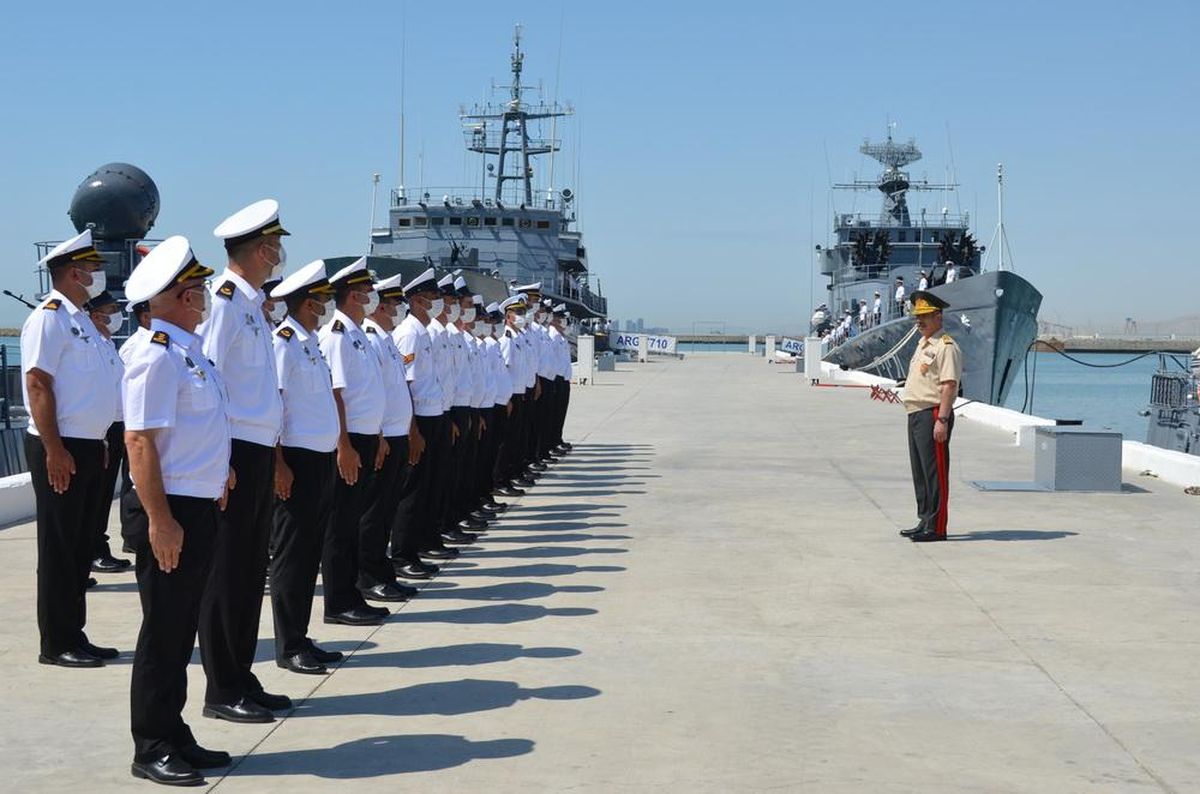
{"x": 946, "y": 340}
{"x": 52, "y": 305}
{"x": 338, "y": 327}
{"x": 160, "y": 338}
{"x": 226, "y": 290}
{"x": 285, "y": 332}
{"x": 370, "y": 329}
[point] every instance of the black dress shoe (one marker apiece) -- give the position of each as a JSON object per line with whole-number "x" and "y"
{"x": 170, "y": 770}
{"x": 127, "y": 549}
{"x": 510, "y": 490}
{"x": 245, "y": 710}
{"x": 78, "y": 658}
{"x": 202, "y": 758}
{"x": 269, "y": 701}
{"x": 484, "y": 515}
{"x": 928, "y": 536}
{"x": 409, "y": 570}
{"x": 383, "y": 592}
{"x": 109, "y": 564}
{"x": 523, "y": 483}
{"x": 323, "y": 656}
{"x": 99, "y": 652}
{"x": 472, "y": 523}
{"x": 538, "y": 466}
{"x": 380, "y": 612}
{"x": 908, "y": 533}
{"x": 458, "y": 536}
{"x": 355, "y": 617}
{"x": 495, "y": 507}
{"x": 303, "y": 662}
{"x": 91, "y": 582}
{"x": 442, "y": 553}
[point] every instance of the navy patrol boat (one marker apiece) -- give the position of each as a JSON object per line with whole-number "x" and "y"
{"x": 992, "y": 314}
{"x": 514, "y": 225}
{"x": 1174, "y": 410}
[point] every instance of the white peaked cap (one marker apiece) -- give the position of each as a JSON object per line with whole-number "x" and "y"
{"x": 171, "y": 262}
{"x": 425, "y": 281}
{"x": 312, "y": 274}
{"x": 354, "y": 273}
{"x": 258, "y": 220}
{"x": 80, "y": 246}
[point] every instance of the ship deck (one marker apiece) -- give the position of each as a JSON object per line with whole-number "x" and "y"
{"x": 710, "y": 595}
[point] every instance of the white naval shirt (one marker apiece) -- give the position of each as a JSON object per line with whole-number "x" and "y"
{"x": 512, "y": 352}
{"x": 529, "y": 351}
{"x": 951, "y": 275}
{"x": 237, "y": 338}
{"x": 60, "y": 340}
{"x": 170, "y": 386}
{"x": 501, "y": 383}
{"x": 562, "y": 354}
{"x": 139, "y": 337}
{"x": 481, "y": 395}
{"x": 398, "y": 406}
{"x": 356, "y": 371}
{"x": 923, "y": 283}
{"x": 416, "y": 351}
{"x": 443, "y": 362}
{"x": 310, "y": 419}
{"x": 899, "y": 293}
{"x": 116, "y": 366}
{"x": 546, "y": 367}
{"x": 464, "y": 384}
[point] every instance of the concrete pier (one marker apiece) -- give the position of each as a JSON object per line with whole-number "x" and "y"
{"x": 709, "y": 595}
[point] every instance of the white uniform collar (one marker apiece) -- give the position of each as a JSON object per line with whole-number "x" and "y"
{"x": 301, "y": 334}
{"x": 184, "y": 339}
{"x": 338, "y": 314}
{"x": 367, "y": 321}
{"x": 252, "y": 294}
{"x": 64, "y": 300}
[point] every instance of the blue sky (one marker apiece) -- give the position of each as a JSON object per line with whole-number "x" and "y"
{"x": 700, "y": 138}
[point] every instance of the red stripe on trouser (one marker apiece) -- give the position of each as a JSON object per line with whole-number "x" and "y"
{"x": 943, "y": 481}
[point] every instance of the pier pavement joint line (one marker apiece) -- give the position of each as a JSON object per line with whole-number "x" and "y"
{"x": 1162, "y": 784}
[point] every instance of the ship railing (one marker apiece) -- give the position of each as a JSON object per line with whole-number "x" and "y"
{"x": 846, "y": 220}
{"x": 466, "y": 197}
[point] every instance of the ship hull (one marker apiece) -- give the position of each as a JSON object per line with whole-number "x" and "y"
{"x": 993, "y": 318}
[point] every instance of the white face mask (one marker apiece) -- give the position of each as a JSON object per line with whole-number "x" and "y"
{"x": 401, "y": 311}
{"x": 436, "y": 307}
{"x": 113, "y": 322}
{"x": 277, "y": 312}
{"x": 519, "y": 321}
{"x": 277, "y": 268}
{"x": 452, "y": 312}
{"x": 98, "y": 285}
{"x": 207, "y": 310}
{"x": 327, "y": 308}
{"x": 372, "y": 302}
{"x": 468, "y": 315}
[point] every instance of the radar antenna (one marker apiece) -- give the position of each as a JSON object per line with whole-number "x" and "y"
{"x": 894, "y": 182}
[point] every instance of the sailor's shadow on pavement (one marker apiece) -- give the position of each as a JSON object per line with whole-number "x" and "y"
{"x": 264, "y": 650}
{"x": 535, "y": 552}
{"x": 376, "y": 756}
{"x": 498, "y": 614}
{"x": 535, "y": 570}
{"x": 1012, "y": 534}
{"x": 444, "y": 698}
{"x": 508, "y": 591}
{"x": 565, "y": 537}
{"x": 467, "y": 654}
{"x": 569, "y": 507}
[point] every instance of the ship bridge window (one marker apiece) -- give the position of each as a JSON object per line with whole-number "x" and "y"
{"x": 543, "y": 224}
{"x": 401, "y": 222}
{"x": 506, "y": 221}
{"x": 420, "y": 220}
{"x": 455, "y": 220}
{"x": 525, "y": 223}
{"x": 473, "y": 221}
{"x": 902, "y": 235}
{"x": 437, "y": 220}
{"x": 489, "y": 221}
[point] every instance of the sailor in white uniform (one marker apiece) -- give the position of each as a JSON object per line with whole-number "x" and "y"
{"x": 361, "y": 402}
{"x": 562, "y": 377}
{"x": 177, "y": 435}
{"x": 237, "y": 339}
{"x": 898, "y": 304}
{"x": 62, "y": 360}
{"x": 376, "y": 574}
{"x": 514, "y": 350}
{"x": 414, "y": 532}
{"x": 502, "y": 403}
{"x": 951, "y": 272}
{"x": 303, "y": 509}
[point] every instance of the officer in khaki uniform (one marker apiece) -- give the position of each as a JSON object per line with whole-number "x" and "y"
{"x": 929, "y": 391}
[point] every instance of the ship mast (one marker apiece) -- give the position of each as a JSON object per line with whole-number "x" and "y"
{"x": 503, "y": 131}
{"x": 1000, "y": 236}
{"x": 894, "y": 183}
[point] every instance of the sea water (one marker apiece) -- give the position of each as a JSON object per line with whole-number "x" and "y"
{"x": 1104, "y": 397}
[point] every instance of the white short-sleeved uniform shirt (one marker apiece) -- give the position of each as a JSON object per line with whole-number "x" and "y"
{"x": 416, "y": 351}
{"x": 899, "y": 293}
{"x": 355, "y": 370}
{"x": 60, "y": 340}
{"x": 562, "y": 354}
{"x": 443, "y": 360}
{"x": 139, "y": 337}
{"x": 530, "y": 357}
{"x": 398, "y": 407}
{"x": 878, "y": 305}
{"x": 512, "y": 348}
{"x": 310, "y": 418}
{"x": 463, "y": 385}
{"x": 485, "y": 394}
{"x": 501, "y": 383}
{"x": 238, "y": 339}
{"x": 117, "y": 367}
{"x": 171, "y": 387}
{"x": 546, "y": 352}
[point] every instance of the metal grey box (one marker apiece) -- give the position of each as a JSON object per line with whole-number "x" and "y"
{"x": 1077, "y": 459}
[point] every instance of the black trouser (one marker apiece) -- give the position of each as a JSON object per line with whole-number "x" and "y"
{"x": 548, "y": 419}
{"x": 488, "y": 448}
{"x": 133, "y": 521}
{"x": 413, "y": 524}
{"x": 463, "y": 459}
{"x": 115, "y": 440}
{"x": 339, "y": 562}
{"x": 562, "y": 388}
{"x": 233, "y": 598}
{"x": 301, "y": 523}
{"x": 379, "y": 511}
{"x": 65, "y": 537}
{"x": 930, "y": 469}
{"x": 170, "y": 614}
{"x": 508, "y": 465}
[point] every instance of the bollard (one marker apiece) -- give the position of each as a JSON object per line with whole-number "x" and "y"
{"x": 769, "y": 352}
{"x": 812, "y": 363}
{"x": 643, "y": 348}
{"x": 752, "y": 344}
{"x": 585, "y": 366}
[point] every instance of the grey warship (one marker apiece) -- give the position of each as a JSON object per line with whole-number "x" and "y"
{"x": 992, "y": 314}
